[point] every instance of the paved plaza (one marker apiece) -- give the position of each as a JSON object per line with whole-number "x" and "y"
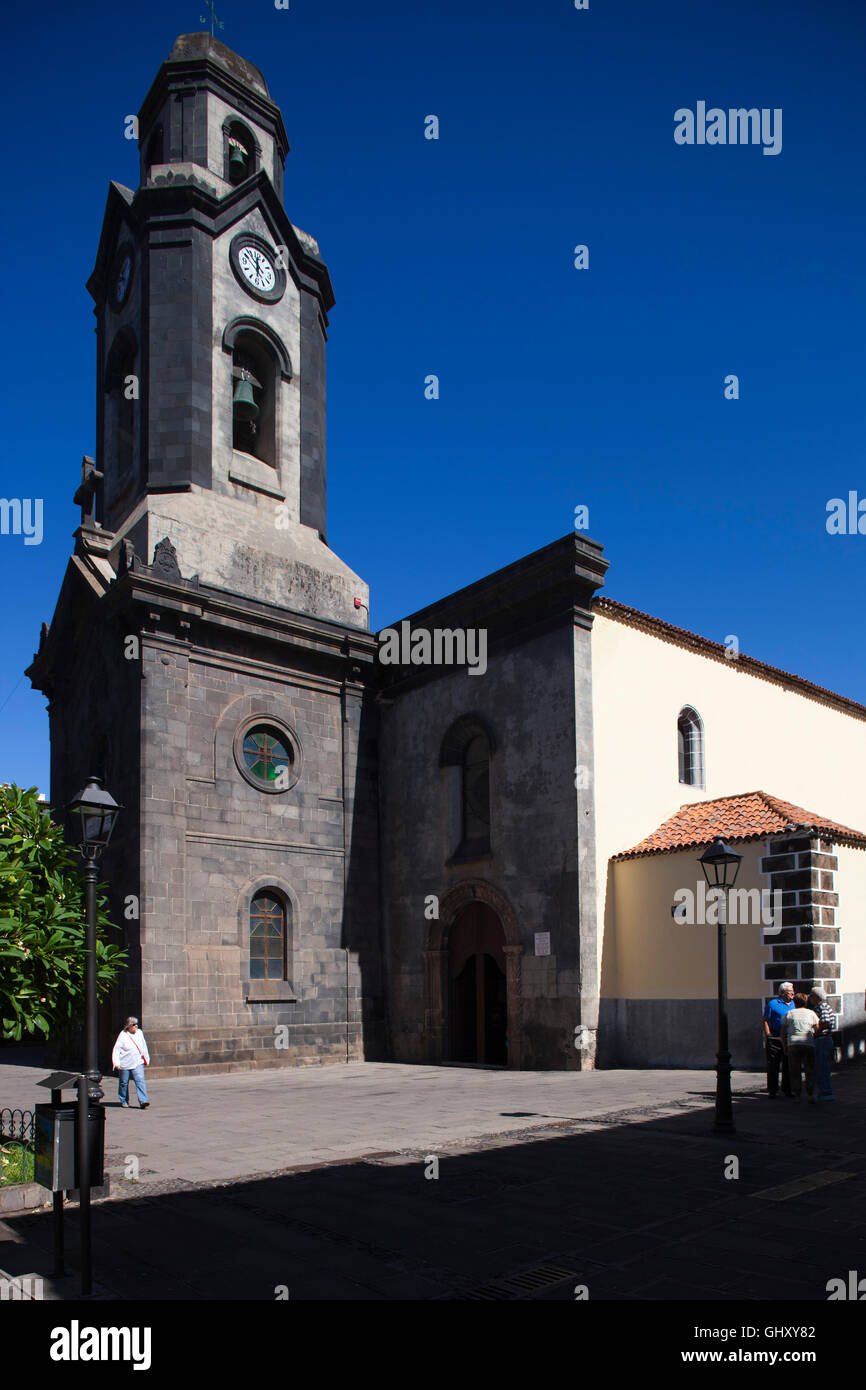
{"x": 320, "y": 1183}
{"x": 212, "y": 1128}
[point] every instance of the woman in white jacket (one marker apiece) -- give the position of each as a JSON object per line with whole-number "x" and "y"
{"x": 130, "y": 1055}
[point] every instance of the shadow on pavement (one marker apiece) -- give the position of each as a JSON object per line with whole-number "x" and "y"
{"x": 631, "y": 1210}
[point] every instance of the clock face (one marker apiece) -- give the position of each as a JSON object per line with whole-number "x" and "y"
{"x": 123, "y": 278}
{"x": 257, "y": 268}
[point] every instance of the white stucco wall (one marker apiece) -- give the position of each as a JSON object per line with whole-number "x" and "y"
{"x": 851, "y": 918}
{"x": 757, "y": 736}
{"x": 655, "y": 957}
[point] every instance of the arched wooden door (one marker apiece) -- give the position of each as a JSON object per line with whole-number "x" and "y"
{"x": 478, "y": 998}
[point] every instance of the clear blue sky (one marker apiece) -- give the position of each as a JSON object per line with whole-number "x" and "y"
{"x": 455, "y": 257}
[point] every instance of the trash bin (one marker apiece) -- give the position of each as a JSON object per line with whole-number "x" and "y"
{"x": 56, "y": 1162}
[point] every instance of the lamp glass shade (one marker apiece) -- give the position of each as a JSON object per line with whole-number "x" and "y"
{"x": 720, "y": 864}
{"x": 93, "y": 814}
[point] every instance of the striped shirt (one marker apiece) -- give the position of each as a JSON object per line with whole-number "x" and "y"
{"x": 826, "y": 1015}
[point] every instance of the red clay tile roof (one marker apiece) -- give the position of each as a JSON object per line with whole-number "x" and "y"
{"x": 751, "y": 816}
{"x": 747, "y": 665}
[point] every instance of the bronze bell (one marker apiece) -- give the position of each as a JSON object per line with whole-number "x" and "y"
{"x": 243, "y": 405}
{"x": 237, "y": 161}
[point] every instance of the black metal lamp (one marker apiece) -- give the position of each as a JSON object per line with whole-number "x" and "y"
{"x": 93, "y": 814}
{"x": 721, "y": 864}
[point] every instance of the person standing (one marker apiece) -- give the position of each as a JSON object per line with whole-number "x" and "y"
{"x": 774, "y": 1015}
{"x": 129, "y": 1058}
{"x": 823, "y": 1043}
{"x": 799, "y": 1027}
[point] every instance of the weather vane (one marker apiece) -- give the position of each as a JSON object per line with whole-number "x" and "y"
{"x": 213, "y": 19}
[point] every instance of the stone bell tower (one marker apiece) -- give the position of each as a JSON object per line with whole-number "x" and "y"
{"x": 212, "y": 311}
{"x": 209, "y": 655}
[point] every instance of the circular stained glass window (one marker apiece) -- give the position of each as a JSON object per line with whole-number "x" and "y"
{"x": 268, "y": 756}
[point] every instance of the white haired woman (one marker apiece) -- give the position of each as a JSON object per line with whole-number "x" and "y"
{"x": 799, "y": 1027}
{"x": 129, "y": 1058}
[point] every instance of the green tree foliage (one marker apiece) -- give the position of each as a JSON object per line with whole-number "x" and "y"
{"x": 42, "y": 922}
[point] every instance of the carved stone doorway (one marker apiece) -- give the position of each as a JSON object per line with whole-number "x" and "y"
{"x": 444, "y": 959}
{"x": 478, "y": 999}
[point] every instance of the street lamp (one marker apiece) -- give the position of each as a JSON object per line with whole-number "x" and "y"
{"x": 721, "y": 864}
{"x": 92, "y": 815}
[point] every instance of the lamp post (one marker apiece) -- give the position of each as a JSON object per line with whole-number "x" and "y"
{"x": 720, "y": 865}
{"x": 92, "y": 816}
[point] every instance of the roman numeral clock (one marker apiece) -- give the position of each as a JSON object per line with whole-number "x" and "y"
{"x": 258, "y": 268}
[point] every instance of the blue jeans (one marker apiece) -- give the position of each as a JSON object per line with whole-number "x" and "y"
{"x": 137, "y": 1074}
{"x": 823, "y": 1064}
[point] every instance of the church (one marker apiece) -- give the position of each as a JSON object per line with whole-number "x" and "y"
{"x": 470, "y": 857}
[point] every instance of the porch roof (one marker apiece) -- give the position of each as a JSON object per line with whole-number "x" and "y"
{"x": 748, "y": 816}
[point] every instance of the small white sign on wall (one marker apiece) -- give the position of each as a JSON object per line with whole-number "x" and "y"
{"x": 542, "y": 943}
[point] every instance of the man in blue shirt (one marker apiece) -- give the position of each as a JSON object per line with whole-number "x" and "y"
{"x": 774, "y": 1012}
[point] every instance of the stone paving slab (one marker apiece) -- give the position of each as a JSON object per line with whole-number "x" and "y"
{"x": 627, "y": 1194}
{"x": 211, "y": 1127}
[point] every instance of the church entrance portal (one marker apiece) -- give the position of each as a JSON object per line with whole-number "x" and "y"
{"x": 477, "y": 987}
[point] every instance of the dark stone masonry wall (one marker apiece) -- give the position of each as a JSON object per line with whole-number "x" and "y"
{"x": 211, "y": 840}
{"x": 803, "y": 869}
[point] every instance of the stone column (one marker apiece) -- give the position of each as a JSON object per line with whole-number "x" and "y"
{"x": 803, "y": 869}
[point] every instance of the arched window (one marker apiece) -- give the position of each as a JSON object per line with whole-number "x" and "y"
{"x": 476, "y": 789}
{"x": 254, "y": 391}
{"x": 268, "y": 937}
{"x": 690, "y": 747}
{"x": 465, "y": 752}
{"x": 240, "y": 152}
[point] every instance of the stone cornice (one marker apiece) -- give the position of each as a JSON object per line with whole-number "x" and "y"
{"x": 549, "y": 589}
{"x": 192, "y": 602}
{"x": 185, "y": 203}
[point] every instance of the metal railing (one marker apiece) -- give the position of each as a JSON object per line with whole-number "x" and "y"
{"x": 17, "y": 1143}
{"x": 17, "y": 1124}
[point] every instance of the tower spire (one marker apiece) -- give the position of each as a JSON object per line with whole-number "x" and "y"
{"x": 213, "y": 18}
